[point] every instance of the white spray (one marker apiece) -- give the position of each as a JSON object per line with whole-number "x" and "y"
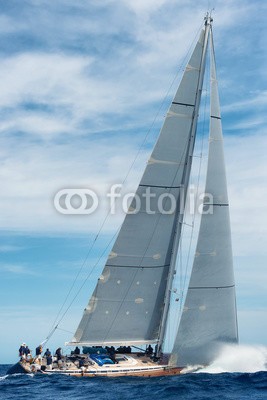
{"x": 235, "y": 358}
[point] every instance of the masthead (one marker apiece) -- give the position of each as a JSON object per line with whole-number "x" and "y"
{"x": 208, "y": 19}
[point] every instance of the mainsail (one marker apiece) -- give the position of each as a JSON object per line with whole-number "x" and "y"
{"x": 128, "y": 303}
{"x": 209, "y": 314}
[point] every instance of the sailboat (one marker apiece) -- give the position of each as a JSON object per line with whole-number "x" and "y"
{"x": 130, "y": 305}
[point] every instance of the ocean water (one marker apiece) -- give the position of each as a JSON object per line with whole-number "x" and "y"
{"x": 215, "y": 382}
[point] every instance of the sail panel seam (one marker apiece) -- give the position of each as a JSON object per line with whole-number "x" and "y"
{"x": 138, "y": 267}
{"x": 211, "y": 287}
{"x": 216, "y": 204}
{"x": 183, "y": 104}
{"x": 161, "y": 186}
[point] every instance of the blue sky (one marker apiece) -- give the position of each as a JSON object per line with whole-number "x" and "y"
{"x": 81, "y": 84}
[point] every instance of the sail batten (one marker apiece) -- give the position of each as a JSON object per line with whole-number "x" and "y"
{"x": 127, "y": 303}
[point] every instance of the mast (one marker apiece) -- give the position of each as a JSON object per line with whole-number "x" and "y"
{"x": 209, "y": 314}
{"x": 208, "y": 21}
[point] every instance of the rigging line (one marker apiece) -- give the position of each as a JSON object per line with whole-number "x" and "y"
{"x": 176, "y": 283}
{"x": 65, "y": 330}
{"x": 49, "y": 336}
{"x": 123, "y": 182}
{"x": 181, "y": 269}
{"x": 177, "y": 280}
{"x": 88, "y": 276}
{"x": 181, "y": 258}
{"x": 51, "y": 333}
{"x": 198, "y": 179}
{"x": 82, "y": 266}
{"x": 78, "y": 273}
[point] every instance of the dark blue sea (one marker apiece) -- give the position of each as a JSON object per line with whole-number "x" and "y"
{"x": 201, "y": 386}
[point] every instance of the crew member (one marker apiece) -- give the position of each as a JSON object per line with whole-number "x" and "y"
{"x": 38, "y": 351}
{"x": 59, "y": 354}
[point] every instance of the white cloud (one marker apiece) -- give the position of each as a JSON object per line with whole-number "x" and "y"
{"x": 141, "y": 7}
{"x": 253, "y": 101}
{"x": 17, "y": 269}
{"x": 31, "y": 179}
{"x": 49, "y": 95}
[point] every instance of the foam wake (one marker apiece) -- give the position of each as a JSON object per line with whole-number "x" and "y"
{"x": 235, "y": 358}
